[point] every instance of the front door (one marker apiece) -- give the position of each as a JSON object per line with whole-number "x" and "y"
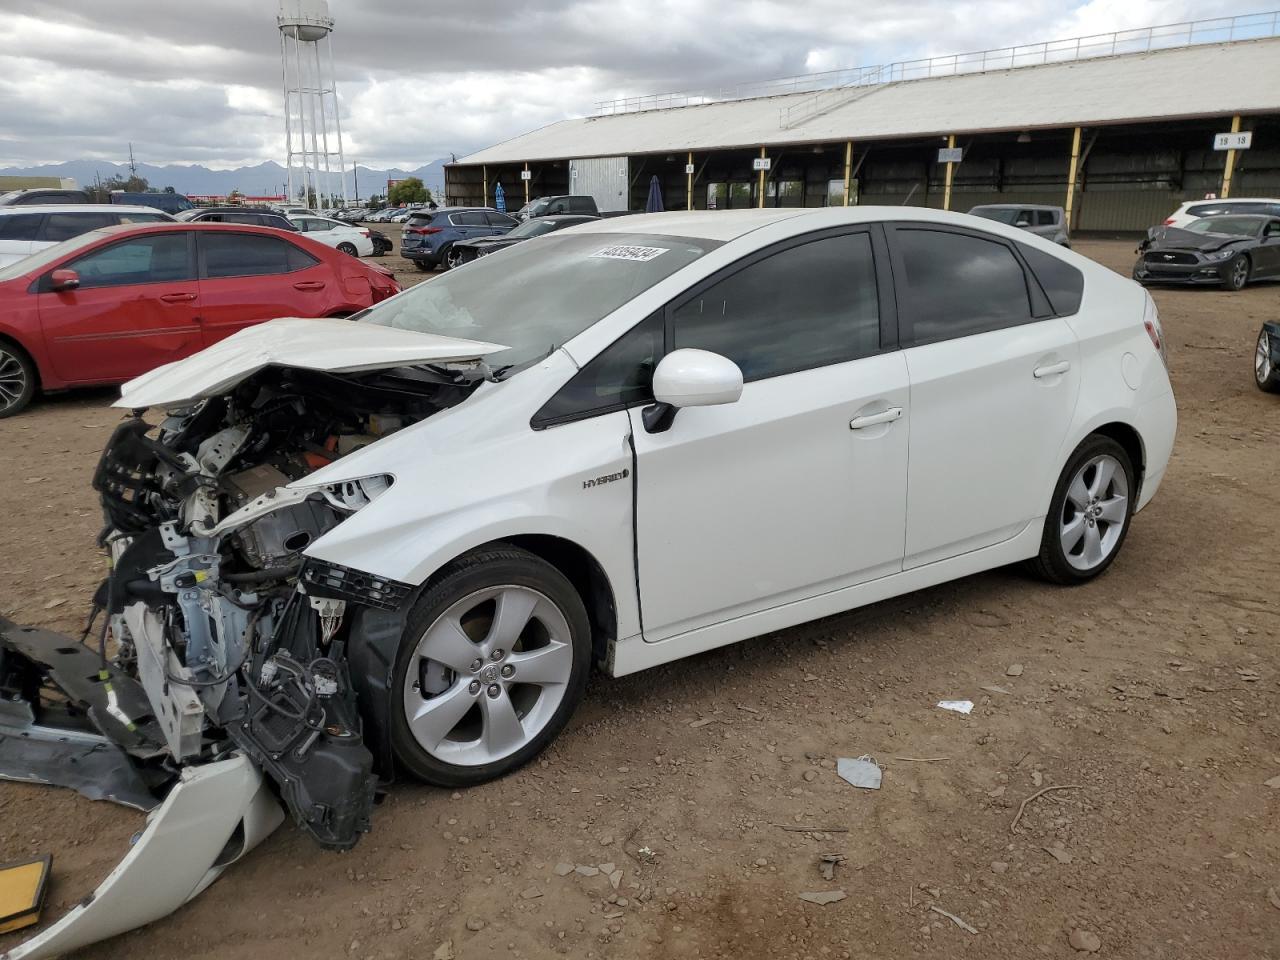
{"x": 797, "y": 488}
{"x": 994, "y": 380}
{"x": 136, "y": 308}
{"x": 246, "y": 278}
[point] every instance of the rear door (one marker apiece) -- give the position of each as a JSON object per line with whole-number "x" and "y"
{"x": 471, "y": 224}
{"x": 246, "y": 278}
{"x": 994, "y": 380}
{"x": 134, "y": 310}
{"x": 17, "y": 236}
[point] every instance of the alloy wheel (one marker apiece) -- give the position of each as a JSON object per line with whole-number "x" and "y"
{"x": 1240, "y": 273}
{"x": 13, "y": 380}
{"x": 1261, "y": 359}
{"x": 454, "y": 258}
{"x": 1095, "y": 512}
{"x": 488, "y": 674}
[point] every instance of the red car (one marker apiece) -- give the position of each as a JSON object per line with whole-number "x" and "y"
{"x": 114, "y": 303}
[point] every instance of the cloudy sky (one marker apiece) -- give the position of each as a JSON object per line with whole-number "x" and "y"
{"x": 199, "y": 82}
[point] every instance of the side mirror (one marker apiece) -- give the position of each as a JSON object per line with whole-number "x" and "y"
{"x": 61, "y": 280}
{"x": 691, "y": 378}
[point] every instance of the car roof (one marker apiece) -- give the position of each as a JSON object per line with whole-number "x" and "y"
{"x": 427, "y": 211}
{"x": 1241, "y": 216}
{"x": 79, "y": 208}
{"x": 1196, "y": 203}
{"x": 1016, "y": 206}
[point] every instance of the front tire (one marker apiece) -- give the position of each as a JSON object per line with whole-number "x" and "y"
{"x": 493, "y": 661}
{"x": 1237, "y": 274}
{"x": 1264, "y": 371}
{"x": 17, "y": 379}
{"x": 1089, "y": 515}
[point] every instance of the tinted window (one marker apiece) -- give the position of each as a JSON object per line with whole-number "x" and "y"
{"x": 499, "y": 220}
{"x": 956, "y": 285}
{"x": 1061, "y": 282}
{"x": 312, "y": 225}
{"x": 618, "y": 377}
{"x": 159, "y": 258}
{"x": 1045, "y": 218}
{"x": 249, "y": 255}
{"x": 581, "y": 205}
{"x": 64, "y": 226}
{"x": 804, "y": 307}
{"x": 470, "y": 220}
{"x": 23, "y": 226}
{"x": 1221, "y": 206}
{"x": 143, "y": 218}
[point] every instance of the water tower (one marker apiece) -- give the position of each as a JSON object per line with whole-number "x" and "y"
{"x": 312, "y": 128}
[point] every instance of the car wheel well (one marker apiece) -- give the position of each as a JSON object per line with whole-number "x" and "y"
{"x": 14, "y": 344}
{"x": 588, "y": 578}
{"x": 1128, "y": 438}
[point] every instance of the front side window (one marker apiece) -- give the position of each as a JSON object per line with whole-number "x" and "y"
{"x": 956, "y": 285}
{"x": 22, "y": 226}
{"x": 64, "y": 226}
{"x": 807, "y": 306}
{"x": 250, "y": 255}
{"x": 159, "y": 258}
{"x": 620, "y": 376}
{"x": 538, "y": 296}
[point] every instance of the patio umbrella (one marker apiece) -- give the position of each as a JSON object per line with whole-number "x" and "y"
{"x": 500, "y": 199}
{"x": 654, "y": 203}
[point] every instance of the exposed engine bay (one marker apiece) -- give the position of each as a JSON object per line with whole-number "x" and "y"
{"x": 237, "y": 643}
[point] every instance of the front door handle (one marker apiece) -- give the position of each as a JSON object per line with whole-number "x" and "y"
{"x": 1052, "y": 369}
{"x": 309, "y": 285}
{"x": 887, "y": 416}
{"x": 177, "y": 297}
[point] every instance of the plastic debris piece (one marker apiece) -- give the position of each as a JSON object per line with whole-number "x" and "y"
{"x": 823, "y": 897}
{"x": 959, "y": 706}
{"x": 863, "y": 772}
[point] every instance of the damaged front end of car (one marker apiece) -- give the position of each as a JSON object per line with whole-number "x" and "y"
{"x": 220, "y": 645}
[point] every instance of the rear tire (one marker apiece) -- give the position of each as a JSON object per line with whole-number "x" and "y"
{"x": 424, "y": 266}
{"x": 460, "y": 713}
{"x": 17, "y": 379}
{"x": 1237, "y": 274}
{"x": 1265, "y": 374}
{"x": 1089, "y": 514}
{"x": 348, "y": 248}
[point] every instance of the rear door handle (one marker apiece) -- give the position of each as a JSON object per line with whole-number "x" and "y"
{"x": 309, "y": 285}
{"x": 1052, "y": 369}
{"x": 177, "y": 297}
{"x": 887, "y": 416}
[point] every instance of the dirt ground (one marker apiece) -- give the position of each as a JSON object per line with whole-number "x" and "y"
{"x": 1149, "y": 696}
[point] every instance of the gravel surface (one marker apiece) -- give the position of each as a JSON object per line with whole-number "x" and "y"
{"x": 1149, "y": 697}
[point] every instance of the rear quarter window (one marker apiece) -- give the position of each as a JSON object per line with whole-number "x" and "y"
{"x": 21, "y": 226}
{"x": 1062, "y": 283}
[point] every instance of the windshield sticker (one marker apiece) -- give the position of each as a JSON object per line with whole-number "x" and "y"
{"x": 625, "y": 251}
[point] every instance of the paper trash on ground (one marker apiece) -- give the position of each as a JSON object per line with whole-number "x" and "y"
{"x": 959, "y": 706}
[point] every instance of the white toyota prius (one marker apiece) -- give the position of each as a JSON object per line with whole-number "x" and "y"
{"x": 349, "y": 548}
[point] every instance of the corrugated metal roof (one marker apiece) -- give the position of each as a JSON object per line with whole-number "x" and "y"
{"x": 1199, "y": 81}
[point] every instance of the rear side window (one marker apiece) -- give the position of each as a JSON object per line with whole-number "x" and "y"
{"x": 1045, "y": 218}
{"x": 499, "y": 220}
{"x": 22, "y": 226}
{"x": 249, "y": 255}
{"x": 1221, "y": 207}
{"x": 1061, "y": 282}
{"x": 618, "y": 377}
{"x": 958, "y": 285}
{"x": 470, "y": 220}
{"x": 64, "y": 226}
{"x": 142, "y": 218}
{"x": 806, "y": 306}
{"x": 581, "y": 205}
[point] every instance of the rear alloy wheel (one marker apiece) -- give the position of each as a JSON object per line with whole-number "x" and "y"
{"x": 347, "y": 248}
{"x": 1089, "y": 516}
{"x": 1264, "y": 371}
{"x": 17, "y": 380}
{"x": 446, "y": 257}
{"x": 493, "y": 661}
{"x": 1237, "y": 274}
{"x": 454, "y": 258}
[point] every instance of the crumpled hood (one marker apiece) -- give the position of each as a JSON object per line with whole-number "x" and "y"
{"x": 331, "y": 345}
{"x": 1172, "y": 238}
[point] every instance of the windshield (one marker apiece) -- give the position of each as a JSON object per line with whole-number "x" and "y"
{"x": 42, "y": 258}
{"x": 1231, "y": 226}
{"x": 540, "y": 294}
{"x": 998, "y": 214}
{"x": 532, "y": 228}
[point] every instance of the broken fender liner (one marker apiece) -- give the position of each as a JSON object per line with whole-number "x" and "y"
{"x": 215, "y": 814}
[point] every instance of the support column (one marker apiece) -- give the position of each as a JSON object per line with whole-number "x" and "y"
{"x": 946, "y": 192}
{"x": 848, "y": 169}
{"x": 688, "y": 176}
{"x": 484, "y": 173}
{"x": 761, "y": 188}
{"x": 526, "y": 184}
{"x": 1072, "y": 172}
{"x": 1230, "y": 168}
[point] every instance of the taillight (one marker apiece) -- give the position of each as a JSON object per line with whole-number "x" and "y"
{"x": 1169, "y": 222}
{"x": 365, "y": 233}
{"x": 1151, "y": 321}
{"x": 423, "y": 231}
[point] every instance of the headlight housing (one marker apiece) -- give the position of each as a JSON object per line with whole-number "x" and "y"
{"x": 1224, "y": 254}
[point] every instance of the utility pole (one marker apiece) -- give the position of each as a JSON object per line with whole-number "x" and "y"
{"x": 133, "y": 167}
{"x": 355, "y": 177}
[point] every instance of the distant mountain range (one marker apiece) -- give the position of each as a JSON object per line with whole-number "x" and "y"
{"x": 261, "y": 179}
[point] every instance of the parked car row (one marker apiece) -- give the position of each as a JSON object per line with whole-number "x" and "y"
{"x": 117, "y": 301}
